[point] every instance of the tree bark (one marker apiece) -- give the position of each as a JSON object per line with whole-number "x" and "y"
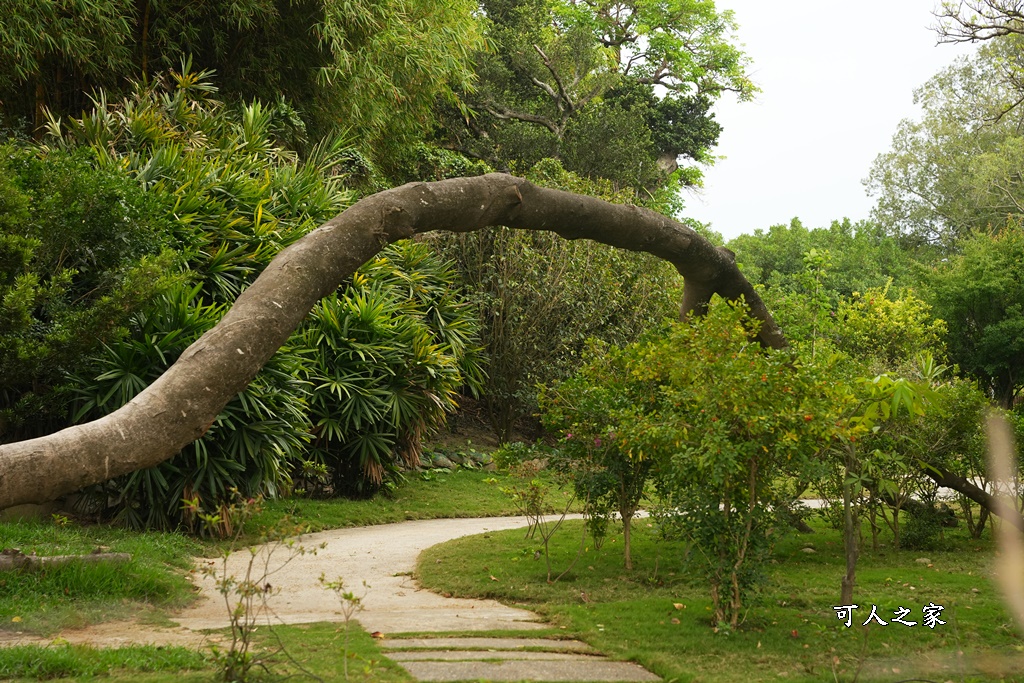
{"x": 995, "y": 505}
{"x": 12, "y": 560}
{"x": 176, "y": 408}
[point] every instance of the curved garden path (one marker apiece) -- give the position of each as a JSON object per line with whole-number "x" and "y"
{"x": 383, "y": 558}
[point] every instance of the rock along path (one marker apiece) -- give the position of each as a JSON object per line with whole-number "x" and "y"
{"x": 384, "y": 558}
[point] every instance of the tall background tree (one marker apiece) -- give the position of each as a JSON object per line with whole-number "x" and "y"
{"x": 376, "y": 69}
{"x": 602, "y": 98}
{"x": 957, "y": 169}
{"x": 615, "y": 90}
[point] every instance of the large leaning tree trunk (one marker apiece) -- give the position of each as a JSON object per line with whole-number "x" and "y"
{"x": 182, "y": 404}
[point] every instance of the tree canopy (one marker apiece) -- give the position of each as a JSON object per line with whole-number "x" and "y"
{"x": 617, "y": 90}
{"x": 957, "y": 169}
{"x": 373, "y": 69}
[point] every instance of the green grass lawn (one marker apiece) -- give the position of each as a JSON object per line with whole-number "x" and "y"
{"x": 659, "y": 614}
{"x": 317, "y": 649}
{"x": 427, "y": 495}
{"x": 73, "y": 596}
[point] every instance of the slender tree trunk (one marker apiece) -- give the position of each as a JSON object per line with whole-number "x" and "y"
{"x": 40, "y": 106}
{"x": 850, "y": 536}
{"x": 627, "y": 523}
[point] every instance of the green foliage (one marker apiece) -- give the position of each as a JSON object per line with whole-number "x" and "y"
{"x": 980, "y": 294}
{"x": 237, "y": 196}
{"x": 541, "y": 297}
{"x": 589, "y": 411}
{"x": 657, "y": 615}
{"x": 923, "y": 529}
{"x": 237, "y": 199}
{"x": 617, "y": 91}
{"x": 388, "y": 355}
{"x": 38, "y": 38}
{"x": 732, "y": 421}
{"x": 860, "y": 256}
{"x": 885, "y": 332}
{"x": 81, "y": 249}
{"x": 434, "y": 495}
{"x": 724, "y": 422}
{"x": 374, "y": 69}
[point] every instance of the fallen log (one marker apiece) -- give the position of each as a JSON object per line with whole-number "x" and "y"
{"x": 12, "y": 559}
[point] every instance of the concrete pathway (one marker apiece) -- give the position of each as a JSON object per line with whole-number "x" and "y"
{"x": 377, "y": 563}
{"x": 383, "y": 559}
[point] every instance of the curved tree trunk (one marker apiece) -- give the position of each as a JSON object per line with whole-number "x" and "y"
{"x": 181, "y": 405}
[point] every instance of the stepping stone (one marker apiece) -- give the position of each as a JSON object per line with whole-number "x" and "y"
{"x": 471, "y": 643}
{"x": 470, "y": 655}
{"x": 599, "y": 670}
{"x": 508, "y": 659}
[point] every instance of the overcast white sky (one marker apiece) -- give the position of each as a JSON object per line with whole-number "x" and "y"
{"x": 837, "y": 77}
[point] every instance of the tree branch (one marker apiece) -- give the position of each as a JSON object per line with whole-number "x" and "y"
{"x": 972, "y": 21}
{"x": 563, "y": 95}
{"x": 508, "y": 114}
{"x": 993, "y": 504}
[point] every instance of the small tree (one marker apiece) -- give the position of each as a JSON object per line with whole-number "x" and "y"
{"x": 591, "y": 411}
{"x": 733, "y": 421}
{"x": 718, "y": 419}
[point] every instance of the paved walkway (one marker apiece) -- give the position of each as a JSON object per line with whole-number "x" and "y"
{"x": 384, "y": 558}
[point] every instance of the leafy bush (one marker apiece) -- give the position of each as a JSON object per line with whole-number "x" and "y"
{"x": 81, "y": 248}
{"x": 925, "y": 522}
{"x": 590, "y": 411}
{"x": 388, "y": 356}
{"x": 247, "y": 448}
{"x": 236, "y": 196}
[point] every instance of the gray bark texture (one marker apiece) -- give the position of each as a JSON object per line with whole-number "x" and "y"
{"x": 181, "y": 405}
{"x": 12, "y": 559}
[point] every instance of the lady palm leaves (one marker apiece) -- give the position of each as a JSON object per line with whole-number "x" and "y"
{"x": 385, "y": 371}
{"x": 238, "y": 197}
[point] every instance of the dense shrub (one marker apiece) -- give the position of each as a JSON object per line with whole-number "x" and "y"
{"x": 81, "y": 249}
{"x": 388, "y": 354}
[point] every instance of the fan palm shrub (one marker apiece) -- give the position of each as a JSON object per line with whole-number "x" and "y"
{"x": 389, "y": 355}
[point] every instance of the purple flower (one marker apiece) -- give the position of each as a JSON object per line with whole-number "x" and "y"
{"x": 597, "y": 442}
